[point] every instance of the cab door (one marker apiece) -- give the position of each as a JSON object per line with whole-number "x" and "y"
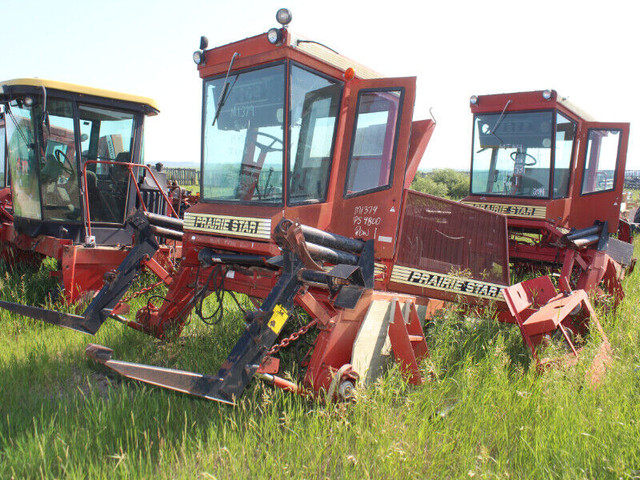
{"x": 3, "y": 151}
{"x": 373, "y": 160}
{"x": 599, "y": 179}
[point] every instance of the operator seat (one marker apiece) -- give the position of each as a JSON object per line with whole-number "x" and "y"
{"x": 98, "y": 206}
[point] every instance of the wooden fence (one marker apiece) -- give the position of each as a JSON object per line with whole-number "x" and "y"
{"x": 184, "y": 176}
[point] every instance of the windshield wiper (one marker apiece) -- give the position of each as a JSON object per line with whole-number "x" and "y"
{"x": 493, "y": 129}
{"x": 226, "y": 90}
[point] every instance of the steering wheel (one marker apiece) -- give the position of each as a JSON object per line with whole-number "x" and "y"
{"x": 270, "y": 147}
{"x": 65, "y": 160}
{"x": 514, "y": 156}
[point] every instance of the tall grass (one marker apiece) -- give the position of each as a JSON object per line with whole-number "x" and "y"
{"x": 483, "y": 413}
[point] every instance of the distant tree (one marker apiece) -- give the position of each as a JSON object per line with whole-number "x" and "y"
{"x": 446, "y": 183}
{"x": 425, "y": 184}
{"x": 460, "y": 189}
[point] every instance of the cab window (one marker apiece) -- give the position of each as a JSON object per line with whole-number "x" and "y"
{"x": 58, "y": 165}
{"x": 601, "y": 160}
{"x": 106, "y": 136}
{"x": 374, "y": 141}
{"x": 23, "y": 162}
{"x": 565, "y": 135}
{"x": 314, "y": 109}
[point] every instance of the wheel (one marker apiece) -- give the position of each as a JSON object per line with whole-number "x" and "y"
{"x": 268, "y": 148}
{"x": 64, "y": 161}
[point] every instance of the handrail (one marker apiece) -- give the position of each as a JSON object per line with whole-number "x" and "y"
{"x": 130, "y": 167}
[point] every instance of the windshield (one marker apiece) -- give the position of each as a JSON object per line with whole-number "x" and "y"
{"x": 243, "y": 159}
{"x": 58, "y": 163}
{"x": 42, "y": 159}
{"x": 242, "y": 150}
{"x": 512, "y": 154}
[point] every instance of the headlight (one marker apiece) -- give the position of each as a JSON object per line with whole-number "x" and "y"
{"x": 283, "y": 16}
{"x": 473, "y": 100}
{"x": 547, "y": 94}
{"x": 198, "y": 57}
{"x": 274, "y": 35}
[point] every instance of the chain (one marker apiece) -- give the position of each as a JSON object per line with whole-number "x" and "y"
{"x": 141, "y": 291}
{"x": 292, "y": 338}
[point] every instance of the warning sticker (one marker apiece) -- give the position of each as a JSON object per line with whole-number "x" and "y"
{"x": 279, "y": 316}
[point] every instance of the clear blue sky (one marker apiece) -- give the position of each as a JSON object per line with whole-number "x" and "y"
{"x": 587, "y": 50}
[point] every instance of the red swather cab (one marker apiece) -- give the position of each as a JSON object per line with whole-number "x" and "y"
{"x": 295, "y": 130}
{"x": 286, "y": 132}
{"x": 545, "y": 164}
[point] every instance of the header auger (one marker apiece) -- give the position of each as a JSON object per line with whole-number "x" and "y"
{"x": 307, "y": 159}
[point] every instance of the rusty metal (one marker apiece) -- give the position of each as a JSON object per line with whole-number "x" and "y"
{"x": 292, "y": 338}
{"x": 442, "y": 236}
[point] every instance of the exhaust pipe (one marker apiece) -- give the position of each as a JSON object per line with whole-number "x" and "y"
{"x": 166, "y": 233}
{"x": 165, "y": 221}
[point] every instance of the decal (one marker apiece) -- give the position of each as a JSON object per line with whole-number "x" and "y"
{"x": 240, "y": 226}
{"x": 379, "y": 268}
{"x": 526, "y": 211}
{"x": 279, "y": 316}
{"x": 445, "y": 282}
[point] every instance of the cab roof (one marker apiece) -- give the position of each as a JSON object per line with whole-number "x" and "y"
{"x": 150, "y": 104}
{"x": 257, "y": 50}
{"x": 537, "y": 99}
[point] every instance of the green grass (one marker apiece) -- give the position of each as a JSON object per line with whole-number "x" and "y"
{"x": 484, "y": 413}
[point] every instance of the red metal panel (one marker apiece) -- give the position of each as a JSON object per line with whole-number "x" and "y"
{"x": 449, "y": 251}
{"x": 443, "y": 236}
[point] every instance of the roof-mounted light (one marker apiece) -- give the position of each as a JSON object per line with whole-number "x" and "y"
{"x": 473, "y": 100}
{"x": 547, "y": 94}
{"x": 275, "y": 36}
{"x": 283, "y": 16}
{"x": 198, "y": 57}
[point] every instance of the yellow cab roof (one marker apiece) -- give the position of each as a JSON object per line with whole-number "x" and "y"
{"x": 83, "y": 90}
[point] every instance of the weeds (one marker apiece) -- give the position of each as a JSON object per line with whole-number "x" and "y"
{"x": 483, "y": 413}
